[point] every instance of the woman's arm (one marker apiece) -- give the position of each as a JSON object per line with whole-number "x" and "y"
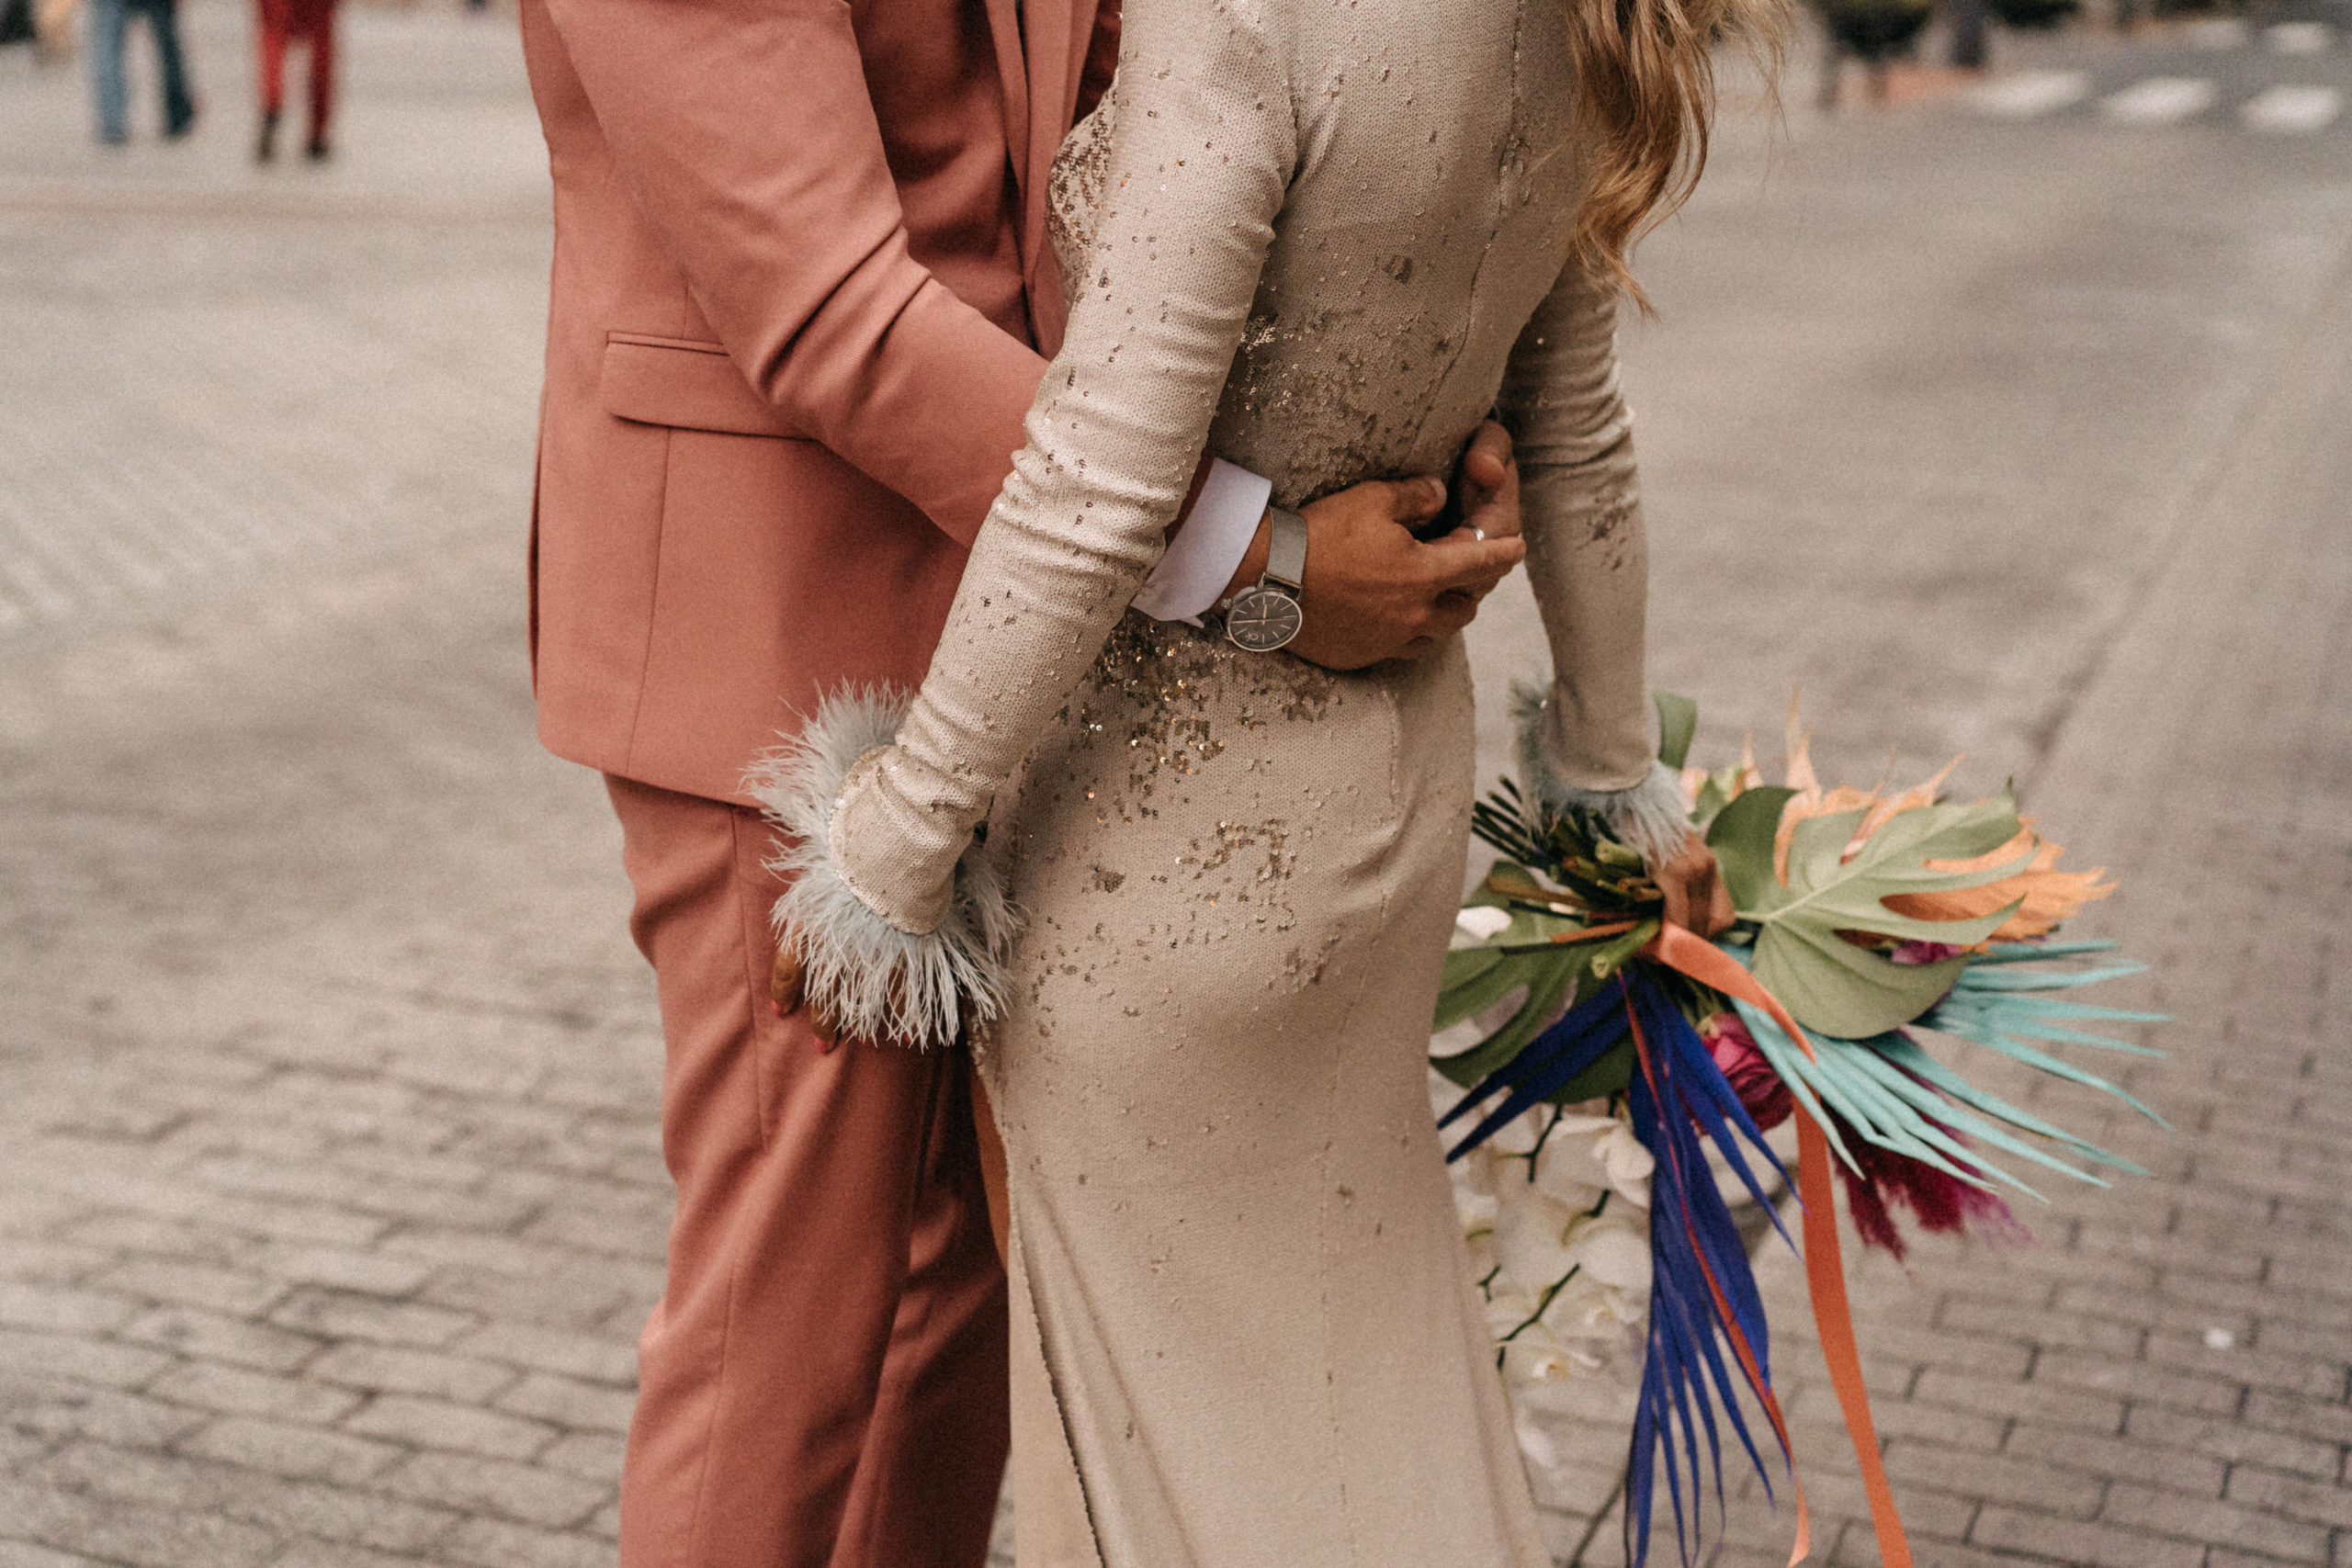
{"x": 1203, "y": 151}
{"x": 1585, "y": 741}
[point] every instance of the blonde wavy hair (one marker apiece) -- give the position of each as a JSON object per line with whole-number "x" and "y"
{"x": 1646, "y": 73}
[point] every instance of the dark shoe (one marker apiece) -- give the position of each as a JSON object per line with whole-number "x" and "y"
{"x": 318, "y": 151}
{"x": 265, "y": 144}
{"x": 180, "y": 126}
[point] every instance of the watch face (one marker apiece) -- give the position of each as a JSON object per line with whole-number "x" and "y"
{"x": 1263, "y": 619}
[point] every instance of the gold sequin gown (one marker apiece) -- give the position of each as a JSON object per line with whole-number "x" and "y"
{"x": 1322, "y": 238}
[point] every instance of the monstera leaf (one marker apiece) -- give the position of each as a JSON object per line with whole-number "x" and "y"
{"x": 1826, "y": 982}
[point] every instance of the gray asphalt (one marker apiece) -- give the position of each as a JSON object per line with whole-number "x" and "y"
{"x": 329, "y": 1194}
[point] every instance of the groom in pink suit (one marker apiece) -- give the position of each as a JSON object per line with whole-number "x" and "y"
{"x": 801, "y": 295}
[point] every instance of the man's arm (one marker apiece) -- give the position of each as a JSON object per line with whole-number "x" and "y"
{"x": 745, "y": 132}
{"x": 748, "y": 139}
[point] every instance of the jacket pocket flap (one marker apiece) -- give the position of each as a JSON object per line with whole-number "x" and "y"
{"x": 689, "y": 385}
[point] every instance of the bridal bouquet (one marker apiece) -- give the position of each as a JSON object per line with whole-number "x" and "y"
{"x": 1602, "y": 1054}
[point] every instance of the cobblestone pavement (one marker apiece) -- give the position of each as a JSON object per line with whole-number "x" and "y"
{"x": 330, "y": 1198}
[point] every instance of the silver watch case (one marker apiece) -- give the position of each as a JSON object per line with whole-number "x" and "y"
{"x": 1263, "y": 619}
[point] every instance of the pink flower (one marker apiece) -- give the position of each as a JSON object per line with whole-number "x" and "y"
{"x": 1759, "y": 1088}
{"x": 1924, "y": 952}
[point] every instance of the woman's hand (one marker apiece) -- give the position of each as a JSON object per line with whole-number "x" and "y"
{"x": 1696, "y": 898}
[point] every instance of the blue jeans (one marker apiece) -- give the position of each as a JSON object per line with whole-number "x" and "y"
{"x": 109, "y": 25}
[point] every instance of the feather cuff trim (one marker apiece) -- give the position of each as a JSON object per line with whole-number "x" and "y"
{"x": 878, "y": 982}
{"x": 1650, "y": 816}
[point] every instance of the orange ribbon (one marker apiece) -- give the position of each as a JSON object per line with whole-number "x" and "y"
{"x": 1825, "y": 1269}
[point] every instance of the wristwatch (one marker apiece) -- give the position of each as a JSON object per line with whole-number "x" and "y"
{"x": 1267, "y": 614}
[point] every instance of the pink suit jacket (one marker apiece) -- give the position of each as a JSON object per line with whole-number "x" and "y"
{"x": 799, "y": 291}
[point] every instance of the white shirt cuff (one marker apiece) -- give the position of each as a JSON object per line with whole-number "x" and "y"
{"x": 1201, "y": 558}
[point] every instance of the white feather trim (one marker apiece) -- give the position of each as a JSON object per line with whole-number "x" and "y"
{"x": 1649, "y": 817}
{"x": 878, "y": 982}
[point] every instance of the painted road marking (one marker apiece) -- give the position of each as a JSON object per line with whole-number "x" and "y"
{"x": 2291, "y": 110}
{"x": 2215, "y": 32}
{"x": 2159, "y": 100}
{"x": 2031, "y": 92}
{"x": 2298, "y": 38}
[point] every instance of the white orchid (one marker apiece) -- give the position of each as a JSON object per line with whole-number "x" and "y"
{"x": 1532, "y": 1240}
{"x": 1554, "y": 1216}
{"x": 1535, "y": 1357}
{"x": 1585, "y": 1150}
{"x": 1612, "y": 1248}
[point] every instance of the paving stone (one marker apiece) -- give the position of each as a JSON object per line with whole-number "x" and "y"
{"x": 488, "y": 1543}
{"x": 592, "y": 1310}
{"x": 222, "y": 1290}
{"x": 399, "y": 1370}
{"x": 342, "y": 1317}
{"x": 233, "y": 1391}
{"x": 44, "y": 1260}
{"x": 2323, "y": 1421}
{"x": 2312, "y": 1375}
{"x": 365, "y": 1273}
{"x": 595, "y": 1358}
{"x": 201, "y": 1488}
{"x": 437, "y": 1423}
{"x": 339, "y": 1554}
{"x": 61, "y": 1310}
{"x": 568, "y": 1402}
{"x": 2083, "y": 1542}
{"x": 2203, "y": 1520}
{"x": 2062, "y": 1407}
{"x": 1993, "y": 1477}
{"x": 592, "y": 1456}
{"x": 2232, "y": 1442}
{"x": 2140, "y": 1381}
{"x": 57, "y": 1408}
{"x": 214, "y": 1337}
{"x": 114, "y": 1233}
{"x": 292, "y": 1451}
{"x": 86, "y": 1360}
{"x": 125, "y": 1533}
{"x": 2132, "y": 1457}
{"x": 2291, "y": 1496}
{"x": 24, "y": 1554}
{"x": 473, "y": 1485}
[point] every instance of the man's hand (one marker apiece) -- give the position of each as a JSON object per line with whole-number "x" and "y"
{"x": 1373, "y": 591}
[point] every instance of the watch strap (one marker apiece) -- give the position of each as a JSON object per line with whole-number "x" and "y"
{"x": 1286, "y": 549}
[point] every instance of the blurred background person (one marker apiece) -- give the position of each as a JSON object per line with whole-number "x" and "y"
{"x": 53, "y": 24}
{"x": 284, "y": 22}
{"x": 109, "y": 25}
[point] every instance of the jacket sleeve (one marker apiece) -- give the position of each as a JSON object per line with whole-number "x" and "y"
{"x": 1588, "y": 743}
{"x": 745, "y": 133}
{"x": 1199, "y": 162}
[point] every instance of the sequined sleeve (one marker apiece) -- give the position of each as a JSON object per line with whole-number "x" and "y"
{"x": 1196, "y": 171}
{"x": 1586, "y": 556}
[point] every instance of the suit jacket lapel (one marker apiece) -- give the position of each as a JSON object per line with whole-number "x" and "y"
{"x": 1057, "y": 33}
{"x": 1005, "y": 29}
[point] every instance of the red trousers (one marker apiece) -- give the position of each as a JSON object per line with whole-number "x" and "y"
{"x": 822, "y": 1384}
{"x": 310, "y": 21}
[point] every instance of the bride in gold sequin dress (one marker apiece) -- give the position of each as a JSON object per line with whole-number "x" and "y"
{"x": 1204, "y": 927}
